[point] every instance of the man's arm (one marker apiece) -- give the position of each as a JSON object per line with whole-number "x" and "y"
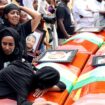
{"x": 60, "y": 14}
{"x": 62, "y": 28}
{"x": 36, "y": 17}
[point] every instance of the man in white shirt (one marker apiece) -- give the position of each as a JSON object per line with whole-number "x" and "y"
{"x": 87, "y": 13}
{"x": 98, "y": 8}
{"x": 82, "y": 16}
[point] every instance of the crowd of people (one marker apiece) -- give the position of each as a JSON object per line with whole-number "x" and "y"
{"x": 18, "y": 20}
{"x": 89, "y": 13}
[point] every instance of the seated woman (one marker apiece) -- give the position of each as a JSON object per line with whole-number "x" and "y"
{"x": 18, "y": 79}
{"x": 10, "y": 46}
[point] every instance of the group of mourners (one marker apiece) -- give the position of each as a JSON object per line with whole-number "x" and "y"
{"x": 18, "y": 77}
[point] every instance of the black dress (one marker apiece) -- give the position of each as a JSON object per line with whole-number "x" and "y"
{"x": 15, "y": 81}
{"x": 17, "y": 52}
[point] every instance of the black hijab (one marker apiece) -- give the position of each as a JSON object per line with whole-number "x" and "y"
{"x": 47, "y": 77}
{"x": 17, "y": 53}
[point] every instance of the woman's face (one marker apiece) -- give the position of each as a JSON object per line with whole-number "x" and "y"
{"x": 13, "y": 17}
{"x": 8, "y": 44}
{"x": 23, "y": 17}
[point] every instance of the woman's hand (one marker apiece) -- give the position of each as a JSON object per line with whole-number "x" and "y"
{"x": 39, "y": 93}
{"x": 42, "y": 101}
{"x": 45, "y": 103}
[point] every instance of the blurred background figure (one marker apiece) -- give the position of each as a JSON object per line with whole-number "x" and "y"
{"x": 51, "y": 7}
{"x": 43, "y": 7}
{"x": 17, "y": 2}
{"x": 23, "y": 17}
{"x": 82, "y": 16}
{"x": 35, "y": 4}
{"x": 99, "y": 12}
{"x": 88, "y": 15}
{"x": 2, "y": 3}
{"x": 65, "y": 27}
{"x": 57, "y": 1}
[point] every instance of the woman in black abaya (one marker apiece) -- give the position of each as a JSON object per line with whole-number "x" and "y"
{"x": 18, "y": 79}
{"x": 10, "y": 46}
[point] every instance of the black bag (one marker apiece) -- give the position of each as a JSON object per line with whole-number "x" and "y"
{"x": 49, "y": 18}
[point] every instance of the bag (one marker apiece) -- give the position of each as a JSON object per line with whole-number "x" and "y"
{"x": 49, "y": 18}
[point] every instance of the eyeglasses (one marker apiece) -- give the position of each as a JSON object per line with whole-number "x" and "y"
{"x": 6, "y": 43}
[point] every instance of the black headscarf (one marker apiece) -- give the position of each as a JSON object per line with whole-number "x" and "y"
{"x": 17, "y": 53}
{"x": 9, "y": 8}
{"x": 47, "y": 77}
